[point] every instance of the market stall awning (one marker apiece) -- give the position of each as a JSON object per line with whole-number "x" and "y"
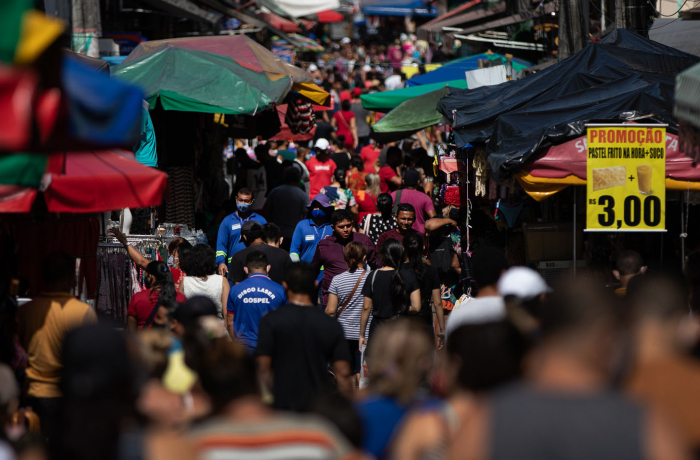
{"x": 280, "y": 22}
{"x": 328, "y": 16}
{"x": 434, "y": 25}
{"x": 297, "y": 8}
{"x": 565, "y": 164}
{"x": 409, "y": 117}
{"x": 187, "y": 9}
{"x": 90, "y": 182}
{"x": 621, "y": 77}
{"x": 399, "y": 8}
{"x": 469, "y": 16}
{"x": 455, "y": 70}
{"x": 384, "y": 101}
{"x": 231, "y": 74}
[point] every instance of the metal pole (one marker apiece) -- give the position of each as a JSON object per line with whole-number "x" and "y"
{"x": 574, "y": 187}
{"x": 602, "y": 15}
{"x": 682, "y": 234}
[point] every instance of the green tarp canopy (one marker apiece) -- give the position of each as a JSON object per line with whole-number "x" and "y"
{"x": 388, "y": 100}
{"x": 409, "y": 117}
{"x": 195, "y": 81}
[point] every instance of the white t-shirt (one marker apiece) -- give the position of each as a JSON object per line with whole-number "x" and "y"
{"x": 477, "y": 311}
{"x": 393, "y": 82}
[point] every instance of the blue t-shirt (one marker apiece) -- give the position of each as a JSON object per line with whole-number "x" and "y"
{"x": 229, "y": 241}
{"x": 249, "y": 300}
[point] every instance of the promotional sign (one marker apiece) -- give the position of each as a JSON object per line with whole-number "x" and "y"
{"x": 626, "y": 178}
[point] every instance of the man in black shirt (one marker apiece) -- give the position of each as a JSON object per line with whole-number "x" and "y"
{"x": 297, "y": 342}
{"x": 324, "y": 130}
{"x": 254, "y": 238}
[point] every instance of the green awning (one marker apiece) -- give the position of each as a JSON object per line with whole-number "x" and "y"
{"x": 387, "y": 100}
{"x": 409, "y": 117}
{"x": 196, "y": 81}
{"x": 25, "y": 169}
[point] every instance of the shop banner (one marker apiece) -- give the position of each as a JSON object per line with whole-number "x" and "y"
{"x": 626, "y": 172}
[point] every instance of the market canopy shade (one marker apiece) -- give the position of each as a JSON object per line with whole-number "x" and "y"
{"x": 409, "y": 117}
{"x": 209, "y": 74}
{"x": 89, "y": 182}
{"x": 387, "y": 100}
{"x": 399, "y": 8}
{"x": 565, "y": 164}
{"x": 285, "y": 25}
{"x": 454, "y": 70}
{"x": 329, "y": 16}
{"x": 297, "y": 8}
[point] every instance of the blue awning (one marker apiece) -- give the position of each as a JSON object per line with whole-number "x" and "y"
{"x": 399, "y": 8}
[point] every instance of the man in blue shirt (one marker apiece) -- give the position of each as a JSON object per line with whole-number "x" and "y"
{"x": 311, "y": 230}
{"x": 229, "y": 240}
{"x": 252, "y": 298}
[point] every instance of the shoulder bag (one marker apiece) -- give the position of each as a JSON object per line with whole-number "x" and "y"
{"x": 352, "y": 293}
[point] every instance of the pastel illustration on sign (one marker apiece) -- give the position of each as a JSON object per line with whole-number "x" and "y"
{"x": 613, "y": 176}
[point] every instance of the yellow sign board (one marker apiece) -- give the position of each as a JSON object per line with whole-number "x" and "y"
{"x": 626, "y": 172}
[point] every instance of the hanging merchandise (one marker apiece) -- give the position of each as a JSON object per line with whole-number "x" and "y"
{"x": 480, "y": 172}
{"x": 300, "y": 115}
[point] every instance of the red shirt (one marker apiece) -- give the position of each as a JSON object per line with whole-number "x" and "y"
{"x": 366, "y": 204}
{"x": 369, "y": 155}
{"x": 385, "y": 175}
{"x": 177, "y": 277}
{"x": 143, "y": 303}
{"x": 320, "y": 175}
{"x": 342, "y": 119}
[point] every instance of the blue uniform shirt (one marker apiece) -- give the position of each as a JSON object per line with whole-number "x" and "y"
{"x": 306, "y": 237}
{"x": 249, "y": 300}
{"x": 229, "y": 240}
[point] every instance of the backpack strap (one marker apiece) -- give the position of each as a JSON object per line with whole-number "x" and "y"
{"x": 397, "y": 201}
{"x": 148, "y": 322}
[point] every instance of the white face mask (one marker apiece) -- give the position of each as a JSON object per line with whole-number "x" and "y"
{"x": 171, "y": 262}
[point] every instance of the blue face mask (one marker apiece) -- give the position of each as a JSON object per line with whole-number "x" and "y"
{"x": 243, "y": 207}
{"x": 318, "y": 213}
{"x": 171, "y": 262}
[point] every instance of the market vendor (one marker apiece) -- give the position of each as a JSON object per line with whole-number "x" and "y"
{"x": 229, "y": 240}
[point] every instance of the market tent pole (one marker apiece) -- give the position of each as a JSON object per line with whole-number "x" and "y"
{"x": 574, "y": 230}
{"x": 683, "y": 235}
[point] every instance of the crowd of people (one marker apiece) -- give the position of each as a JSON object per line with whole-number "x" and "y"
{"x": 316, "y": 329}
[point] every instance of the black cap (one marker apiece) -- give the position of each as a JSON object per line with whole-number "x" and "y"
{"x": 411, "y": 177}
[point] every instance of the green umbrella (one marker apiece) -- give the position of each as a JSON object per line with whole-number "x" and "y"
{"x": 409, "y": 117}
{"x": 196, "y": 81}
{"x": 387, "y": 100}
{"x": 25, "y": 169}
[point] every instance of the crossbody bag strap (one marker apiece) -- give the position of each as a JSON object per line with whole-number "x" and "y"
{"x": 148, "y": 322}
{"x": 352, "y": 293}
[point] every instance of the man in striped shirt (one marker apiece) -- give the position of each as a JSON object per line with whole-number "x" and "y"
{"x": 247, "y": 429}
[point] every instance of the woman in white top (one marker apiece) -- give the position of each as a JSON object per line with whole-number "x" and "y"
{"x": 199, "y": 263}
{"x": 345, "y": 300}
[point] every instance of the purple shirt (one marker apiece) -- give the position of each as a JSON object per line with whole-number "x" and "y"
{"x": 329, "y": 255}
{"x": 421, "y": 202}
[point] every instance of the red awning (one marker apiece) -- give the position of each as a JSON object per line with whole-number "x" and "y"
{"x": 88, "y": 182}
{"x": 329, "y": 16}
{"x": 285, "y": 25}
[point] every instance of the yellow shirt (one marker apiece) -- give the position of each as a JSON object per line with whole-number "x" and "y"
{"x": 42, "y": 325}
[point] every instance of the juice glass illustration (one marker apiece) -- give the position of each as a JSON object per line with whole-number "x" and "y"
{"x": 644, "y": 172}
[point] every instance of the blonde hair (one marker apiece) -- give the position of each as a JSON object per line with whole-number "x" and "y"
{"x": 400, "y": 357}
{"x": 372, "y": 181}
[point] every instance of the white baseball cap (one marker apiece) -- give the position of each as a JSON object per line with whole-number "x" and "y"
{"x": 345, "y": 40}
{"x": 366, "y": 68}
{"x": 522, "y": 282}
{"x": 322, "y": 144}
{"x": 313, "y": 68}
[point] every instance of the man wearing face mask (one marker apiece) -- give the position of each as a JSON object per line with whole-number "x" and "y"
{"x": 310, "y": 231}
{"x": 229, "y": 240}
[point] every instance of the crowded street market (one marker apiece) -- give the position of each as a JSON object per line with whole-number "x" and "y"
{"x": 349, "y": 229}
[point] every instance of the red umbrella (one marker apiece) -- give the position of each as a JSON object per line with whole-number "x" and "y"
{"x": 329, "y": 16}
{"x": 88, "y": 182}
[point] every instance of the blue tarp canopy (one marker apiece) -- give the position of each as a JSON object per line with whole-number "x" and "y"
{"x": 454, "y": 70}
{"x": 399, "y": 8}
